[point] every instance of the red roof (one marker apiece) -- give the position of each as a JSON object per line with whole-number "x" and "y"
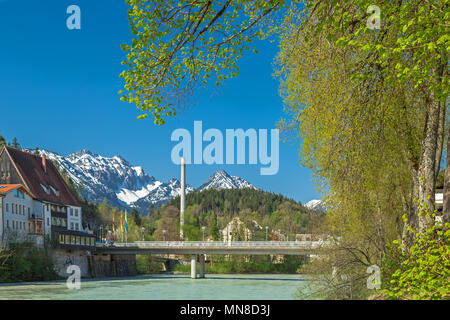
{"x": 34, "y": 176}
{"x": 5, "y": 188}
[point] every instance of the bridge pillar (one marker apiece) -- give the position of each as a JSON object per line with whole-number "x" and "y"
{"x": 193, "y": 266}
{"x": 202, "y": 266}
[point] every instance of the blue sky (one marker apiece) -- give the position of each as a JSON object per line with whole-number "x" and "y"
{"x": 58, "y": 90}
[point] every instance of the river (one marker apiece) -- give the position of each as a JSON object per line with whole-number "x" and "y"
{"x": 164, "y": 287}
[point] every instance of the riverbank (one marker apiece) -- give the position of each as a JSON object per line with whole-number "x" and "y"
{"x": 254, "y": 265}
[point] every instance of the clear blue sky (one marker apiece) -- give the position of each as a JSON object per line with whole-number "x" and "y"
{"x": 58, "y": 91}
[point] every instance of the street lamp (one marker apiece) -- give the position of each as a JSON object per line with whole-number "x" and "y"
{"x": 203, "y": 233}
{"x": 267, "y": 229}
{"x": 164, "y": 235}
{"x": 143, "y": 229}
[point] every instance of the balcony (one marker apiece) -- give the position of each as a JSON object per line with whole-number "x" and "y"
{"x": 59, "y": 214}
{"x": 35, "y": 226}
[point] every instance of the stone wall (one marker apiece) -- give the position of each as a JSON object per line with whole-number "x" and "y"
{"x": 105, "y": 265}
{"x": 94, "y": 265}
{"x": 64, "y": 258}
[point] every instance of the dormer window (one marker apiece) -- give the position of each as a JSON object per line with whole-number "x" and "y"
{"x": 56, "y": 192}
{"x": 45, "y": 189}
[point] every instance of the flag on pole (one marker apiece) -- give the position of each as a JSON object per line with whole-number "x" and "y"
{"x": 113, "y": 229}
{"x": 126, "y": 224}
{"x": 121, "y": 221}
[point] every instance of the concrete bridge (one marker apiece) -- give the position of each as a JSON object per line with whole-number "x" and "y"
{"x": 198, "y": 249}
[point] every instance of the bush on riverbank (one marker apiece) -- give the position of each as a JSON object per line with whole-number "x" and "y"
{"x": 147, "y": 264}
{"x": 23, "y": 263}
{"x": 255, "y": 264}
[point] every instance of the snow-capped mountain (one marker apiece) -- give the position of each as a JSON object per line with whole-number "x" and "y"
{"x": 127, "y": 186}
{"x": 116, "y": 180}
{"x": 222, "y": 180}
{"x": 317, "y": 205}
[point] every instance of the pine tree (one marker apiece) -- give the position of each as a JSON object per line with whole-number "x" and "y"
{"x": 15, "y": 144}
{"x": 2, "y": 141}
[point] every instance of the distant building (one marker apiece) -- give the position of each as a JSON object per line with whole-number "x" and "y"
{"x": 35, "y": 202}
{"x": 236, "y": 231}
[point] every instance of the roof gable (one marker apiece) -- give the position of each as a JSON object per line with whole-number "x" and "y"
{"x": 6, "y": 188}
{"x": 39, "y": 181}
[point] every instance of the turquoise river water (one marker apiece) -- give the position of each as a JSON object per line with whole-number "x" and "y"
{"x": 164, "y": 287}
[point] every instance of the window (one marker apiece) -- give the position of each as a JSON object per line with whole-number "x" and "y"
{"x": 7, "y": 224}
{"x": 45, "y": 189}
{"x": 71, "y": 226}
{"x": 71, "y": 211}
{"x": 48, "y": 221}
{"x": 76, "y": 226}
{"x": 7, "y": 207}
{"x": 56, "y": 192}
{"x": 76, "y": 212}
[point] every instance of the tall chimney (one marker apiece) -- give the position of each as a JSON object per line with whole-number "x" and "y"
{"x": 44, "y": 163}
{"x": 182, "y": 197}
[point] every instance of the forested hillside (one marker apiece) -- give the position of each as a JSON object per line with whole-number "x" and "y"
{"x": 214, "y": 209}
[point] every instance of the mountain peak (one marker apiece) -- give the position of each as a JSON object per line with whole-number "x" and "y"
{"x": 83, "y": 152}
{"x": 222, "y": 180}
{"x": 316, "y": 205}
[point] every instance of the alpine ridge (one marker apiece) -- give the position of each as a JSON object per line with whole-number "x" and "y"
{"x": 124, "y": 185}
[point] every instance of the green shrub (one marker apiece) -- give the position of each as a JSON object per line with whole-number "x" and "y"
{"x": 24, "y": 262}
{"x": 422, "y": 267}
{"x": 147, "y": 264}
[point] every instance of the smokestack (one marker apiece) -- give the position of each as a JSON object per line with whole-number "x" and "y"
{"x": 182, "y": 197}
{"x": 44, "y": 163}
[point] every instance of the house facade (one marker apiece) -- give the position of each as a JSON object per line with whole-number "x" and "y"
{"x": 36, "y": 203}
{"x": 236, "y": 230}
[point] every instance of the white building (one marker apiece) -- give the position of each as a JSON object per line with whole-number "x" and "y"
{"x": 236, "y": 231}
{"x": 36, "y": 203}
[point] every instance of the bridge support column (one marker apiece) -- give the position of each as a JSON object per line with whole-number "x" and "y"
{"x": 193, "y": 266}
{"x": 202, "y": 266}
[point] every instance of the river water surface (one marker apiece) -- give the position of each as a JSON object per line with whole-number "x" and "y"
{"x": 164, "y": 287}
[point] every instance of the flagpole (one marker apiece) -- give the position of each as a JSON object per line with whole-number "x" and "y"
{"x": 126, "y": 227}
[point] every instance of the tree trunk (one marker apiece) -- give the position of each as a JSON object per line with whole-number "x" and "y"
{"x": 440, "y": 142}
{"x": 426, "y": 172}
{"x": 446, "y": 208}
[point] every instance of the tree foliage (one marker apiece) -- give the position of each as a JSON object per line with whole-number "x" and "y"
{"x": 178, "y": 45}
{"x": 423, "y": 268}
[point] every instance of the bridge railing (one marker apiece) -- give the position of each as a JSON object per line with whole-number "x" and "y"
{"x": 212, "y": 244}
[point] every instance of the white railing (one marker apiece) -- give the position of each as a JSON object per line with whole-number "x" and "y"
{"x": 215, "y": 244}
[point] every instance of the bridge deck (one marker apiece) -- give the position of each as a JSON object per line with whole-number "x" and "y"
{"x": 213, "y": 247}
